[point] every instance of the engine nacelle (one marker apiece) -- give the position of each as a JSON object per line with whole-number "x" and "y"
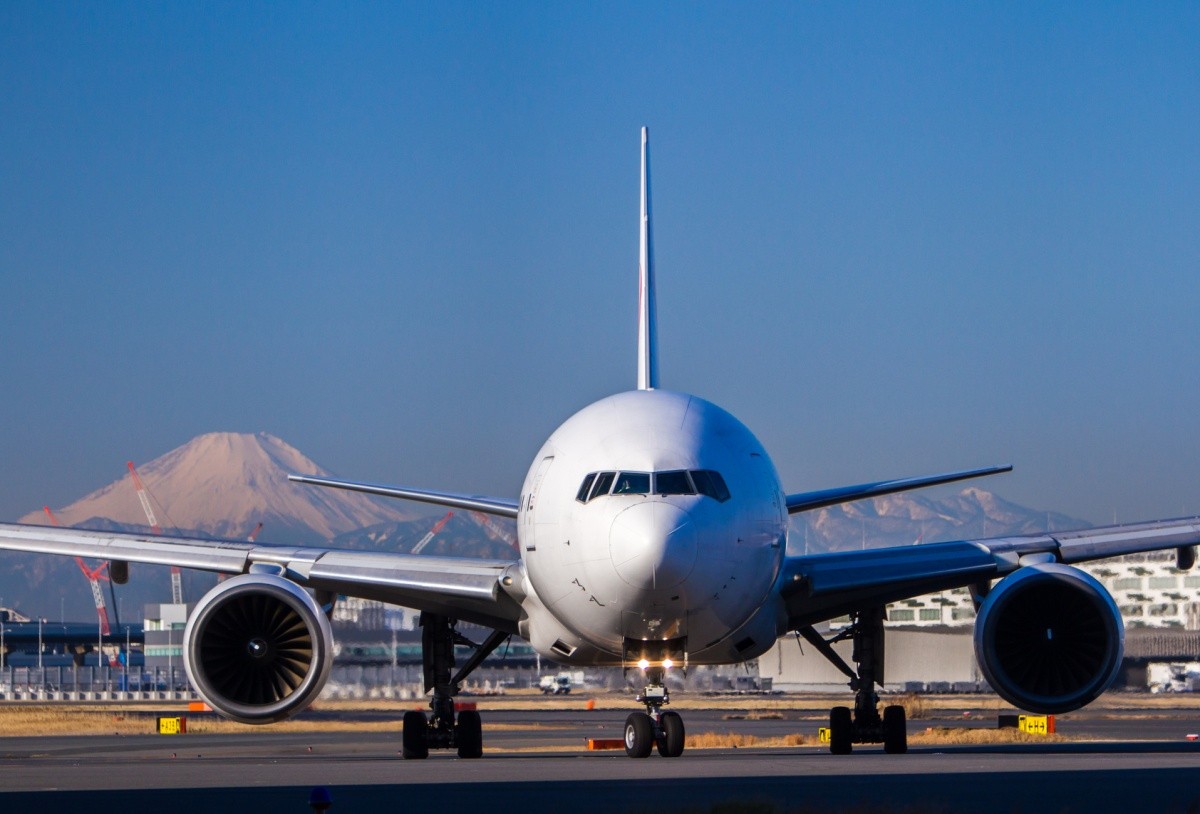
{"x": 1049, "y": 638}
{"x": 258, "y": 648}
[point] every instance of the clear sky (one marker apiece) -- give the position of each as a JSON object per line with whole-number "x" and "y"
{"x": 893, "y": 239}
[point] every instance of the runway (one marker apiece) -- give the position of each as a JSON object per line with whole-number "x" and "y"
{"x": 274, "y": 772}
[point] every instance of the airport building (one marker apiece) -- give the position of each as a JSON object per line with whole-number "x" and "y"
{"x": 1148, "y": 588}
{"x": 163, "y": 629}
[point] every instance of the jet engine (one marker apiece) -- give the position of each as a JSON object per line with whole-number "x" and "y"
{"x": 1049, "y": 638}
{"x": 258, "y": 648}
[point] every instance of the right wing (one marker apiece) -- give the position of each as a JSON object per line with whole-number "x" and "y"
{"x": 805, "y": 501}
{"x": 822, "y": 586}
{"x": 478, "y": 503}
{"x": 485, "y": 592}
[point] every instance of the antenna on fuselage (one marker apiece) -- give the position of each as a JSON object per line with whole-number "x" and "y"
{"x": 647, "y": 318}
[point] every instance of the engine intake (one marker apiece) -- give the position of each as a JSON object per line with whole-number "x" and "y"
{"x": 1049, "y": 638}
{"x": 258, "y": 648}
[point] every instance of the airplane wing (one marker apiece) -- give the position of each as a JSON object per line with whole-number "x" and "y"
{"x": 823, "y": 586}
{"x": 805, "y": 501}
{"x": 488, "y": 505}
{"x": 463, "y": 588}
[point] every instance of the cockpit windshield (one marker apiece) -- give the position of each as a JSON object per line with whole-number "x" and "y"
{"x": 604, "y": 482}
{"x": 632, "y": 483}
{"x": 712, "y": 484}
{"x": 673, "y": 482}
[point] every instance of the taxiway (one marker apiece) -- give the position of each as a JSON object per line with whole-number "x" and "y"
{"x": 534, "y": 763}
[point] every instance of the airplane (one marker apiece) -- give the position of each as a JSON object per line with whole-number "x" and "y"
{"x": 652, "y": 532}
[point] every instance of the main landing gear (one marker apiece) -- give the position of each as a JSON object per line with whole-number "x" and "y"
{"x": 654, "y": 728}
{"x": 443, "y": 729}
{"x": 865, "y": 725}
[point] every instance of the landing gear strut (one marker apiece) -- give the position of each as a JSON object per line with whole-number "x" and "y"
{"x": 865, "y": 725}
{"x": 443, "y": 729}
{"x": 654, "y": 728}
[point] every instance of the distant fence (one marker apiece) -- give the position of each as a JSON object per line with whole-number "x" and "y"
{"x": 346, "y": 681}
{"x": 92, "y": 683}
{"x": 350, "y": 681}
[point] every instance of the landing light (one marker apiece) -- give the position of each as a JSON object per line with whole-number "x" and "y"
{"x": 666, "y": 664}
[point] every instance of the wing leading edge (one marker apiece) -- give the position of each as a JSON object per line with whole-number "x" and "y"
{"x": 804, "y": 501}
{"x": 488, "y": 505}
{"x": 468, "y": 589}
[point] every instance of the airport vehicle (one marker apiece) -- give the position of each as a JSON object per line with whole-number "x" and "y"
{"x": 556, "y": 684}
{"x": 652, "y": 532}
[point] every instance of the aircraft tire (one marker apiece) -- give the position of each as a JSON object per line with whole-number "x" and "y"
{"x": 671, "y": 742}
{"x": 639, "y": 735}
{"x": 415, "y": 736}
{"x": 841, "y": 731}
{"x": 895, "y": 731}
{"x": 469, "y": 735}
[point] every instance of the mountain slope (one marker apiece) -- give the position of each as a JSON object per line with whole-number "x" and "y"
{"x": 223, "y": 484}
{"x": 911, "y": 517}
{"x": 216, "y": 485}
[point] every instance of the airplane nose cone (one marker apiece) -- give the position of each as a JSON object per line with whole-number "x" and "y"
{"x": 653, "y": 545}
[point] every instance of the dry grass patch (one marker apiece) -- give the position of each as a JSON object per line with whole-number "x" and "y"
{"x": 734, "y": 740}
{"x": 913, "y": 703}
{"x": 949, "y": 736}
{"x": 26, "y": 721}
{"x": 768, "y": 715}
{"x": 932, "y": 736}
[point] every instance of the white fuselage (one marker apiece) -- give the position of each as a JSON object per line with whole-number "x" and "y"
{"x": 625, "y": 571}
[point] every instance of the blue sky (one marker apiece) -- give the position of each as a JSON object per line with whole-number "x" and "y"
{"x": 893, "y": 239}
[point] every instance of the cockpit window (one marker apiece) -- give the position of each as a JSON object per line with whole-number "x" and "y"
{"x": 673, "y": 483}
{"x": 603, "y": 483}
{"x": 585, "y": 488}
{"x": 632, "y": 483}
{"x": 711, "y": 483}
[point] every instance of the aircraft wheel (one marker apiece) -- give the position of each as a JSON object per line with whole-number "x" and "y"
{"x": 639, "y": 735}
{"x": 671, "y": 742}
{"x": 468, "y": 733}
{"x": 895, "y": 732}
{"x": 415, "y": 736}
{"x": 841, "y": 730}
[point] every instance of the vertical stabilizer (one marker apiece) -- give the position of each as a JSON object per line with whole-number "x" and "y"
{"x": 647, "y": 316}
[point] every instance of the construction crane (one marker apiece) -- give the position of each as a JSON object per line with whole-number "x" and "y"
{"x": 494, "y": 529}
{"x": 144, "y": 497}
{"x": 94, "y": 575}
{"x": 437, "y": 527}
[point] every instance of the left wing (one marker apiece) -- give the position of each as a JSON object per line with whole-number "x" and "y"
{"x": 463, "y": 588}
{"x": 822, "y": 586}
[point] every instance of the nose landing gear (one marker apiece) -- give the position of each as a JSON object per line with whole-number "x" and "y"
{"x": 654, "y": 728}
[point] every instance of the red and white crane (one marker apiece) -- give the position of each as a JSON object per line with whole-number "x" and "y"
{"x": 144, "y": 497}
{"x": 437, "y": 527}
{"x": 94, "y": 575}
{"x": 494, "y": 529}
